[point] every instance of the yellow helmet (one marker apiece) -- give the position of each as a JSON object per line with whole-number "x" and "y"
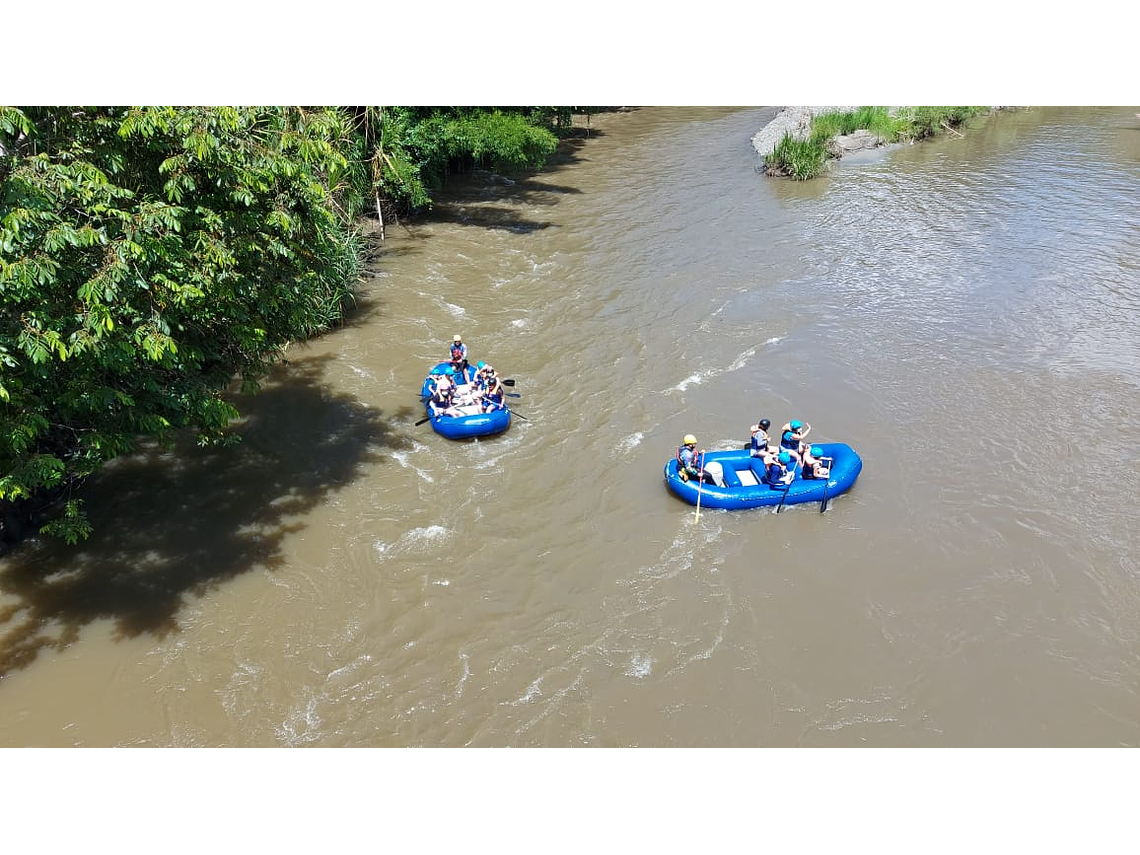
{"x": 690, "y": 439}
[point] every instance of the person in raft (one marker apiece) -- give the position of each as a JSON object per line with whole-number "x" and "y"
{"x": 690, "y": 463}
{"x": 459, "y": 357}
{"x": 779, "y": 471}
{"x": 814, "y": 465}
{"x": 792, "y": 438}
{"x": 442, "y": 398}
{"x": 759, "y": 443}
{"x": 492, "y": 393}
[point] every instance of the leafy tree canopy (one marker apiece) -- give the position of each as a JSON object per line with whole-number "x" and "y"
{"x": 150, "y": 255}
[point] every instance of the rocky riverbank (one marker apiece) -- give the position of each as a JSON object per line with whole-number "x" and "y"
{"x": 790, "y": 120}
{"x": 797, "y": 122}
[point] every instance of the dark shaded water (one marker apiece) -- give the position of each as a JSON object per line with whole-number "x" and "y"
{"x": 963, "y": 312}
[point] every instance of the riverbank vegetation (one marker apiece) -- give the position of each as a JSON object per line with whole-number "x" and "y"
{"x": 151, "y": 257}
{"x": 807, "y": 157}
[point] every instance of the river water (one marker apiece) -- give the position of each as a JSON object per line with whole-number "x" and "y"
{"x": 964, "y": 312}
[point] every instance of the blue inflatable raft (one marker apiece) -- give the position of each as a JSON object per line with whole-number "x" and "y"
{"x": 471, "y": 422}
{"x": 745, "y": 486}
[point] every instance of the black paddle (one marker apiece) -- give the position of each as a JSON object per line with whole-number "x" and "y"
{"x": 421, "y": 421}
{"x": 823, "y": 504}
{"x": 780, "y": 506}
{"x": 791, "y": 481}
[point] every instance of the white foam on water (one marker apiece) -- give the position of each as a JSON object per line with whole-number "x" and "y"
{"x": 640, "y": 666}
{"x": 631, "y": 442}
{"x": 416, "y": 540}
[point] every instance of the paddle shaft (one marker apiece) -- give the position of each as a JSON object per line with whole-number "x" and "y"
{"x": 780, "y": 506}
{"x": 700, "y": 484}
{"x": 823, "y": 504}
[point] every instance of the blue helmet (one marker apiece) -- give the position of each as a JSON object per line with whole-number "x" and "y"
{"x": 785, "y": 458}
{"x": 480, "y": 364}
{"x": 816, "y": 451}
{"x": 796, "y": 424}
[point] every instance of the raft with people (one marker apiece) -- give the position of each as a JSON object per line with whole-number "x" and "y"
{"x": 471, "y": 404}
{"x": 736, "y": 480}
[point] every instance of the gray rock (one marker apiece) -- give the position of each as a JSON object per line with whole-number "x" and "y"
{"x": 861, "y": 140}
{"x": 791, "y": 120}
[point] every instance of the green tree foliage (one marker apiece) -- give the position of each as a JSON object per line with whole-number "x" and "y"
{"x": 500, "y": 140}
{"x": 147, "y": 257}
{"x": 415, "y": 149}
{"x": 150, "y": 255}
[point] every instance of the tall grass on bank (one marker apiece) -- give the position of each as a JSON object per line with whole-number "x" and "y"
{"x": 804, "y": 159}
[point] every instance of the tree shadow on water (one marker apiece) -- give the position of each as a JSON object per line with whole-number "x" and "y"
{"x": 172, "y": 525}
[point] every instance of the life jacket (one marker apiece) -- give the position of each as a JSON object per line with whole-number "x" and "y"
{"x": 788, "y": 440}
{"x": 681, "y": 463}
{"x": 758, "y": 444}
{"x": 443, "y": 398}
{"x": 458, "y": 351}
{"x": 813, "y": 470}
{"x": 777, "y": 475}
